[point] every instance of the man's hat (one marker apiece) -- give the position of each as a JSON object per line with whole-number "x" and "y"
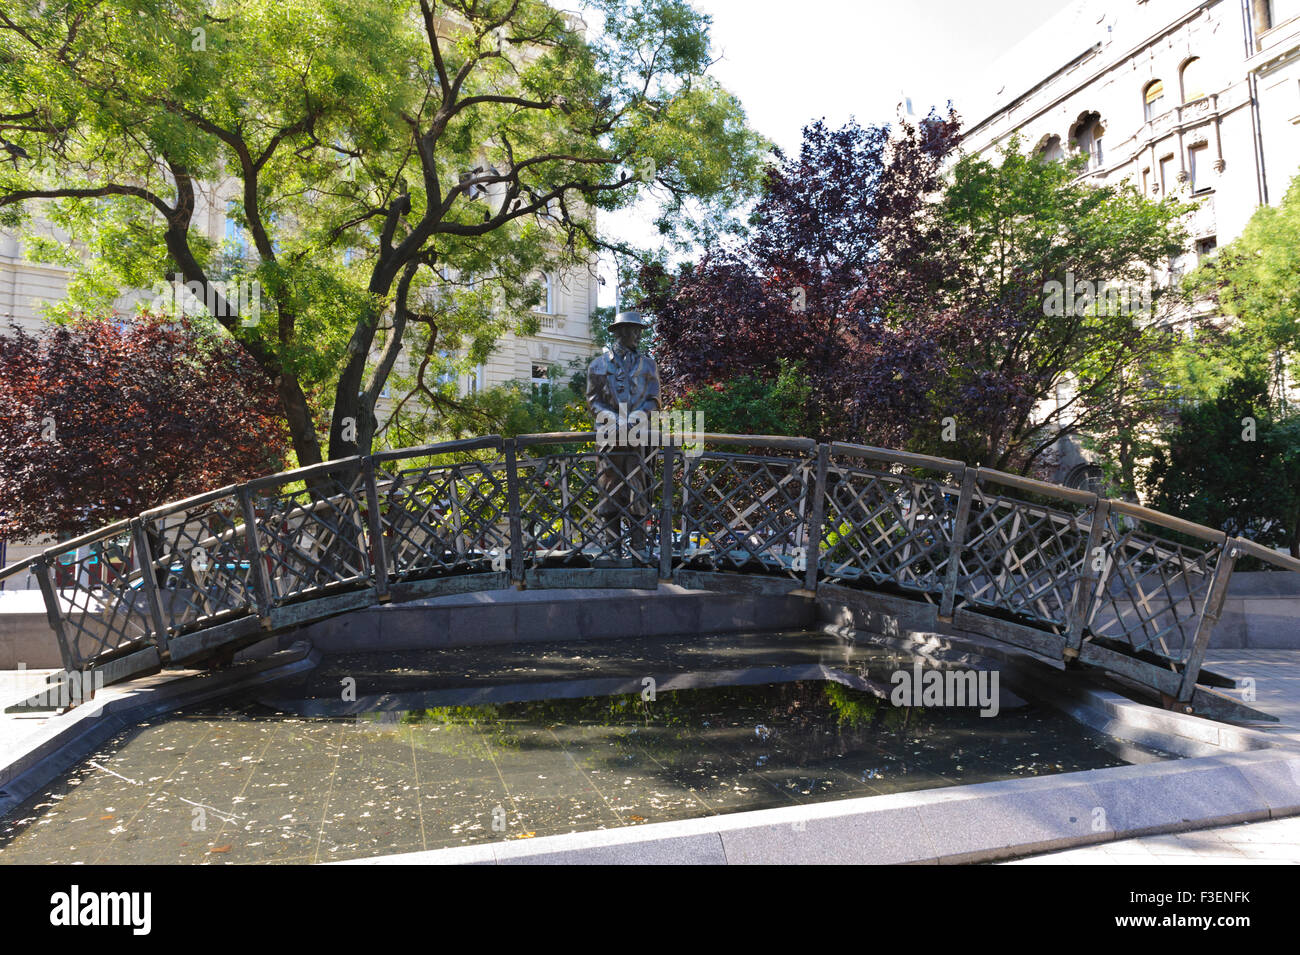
{"x": 629, "y": 318}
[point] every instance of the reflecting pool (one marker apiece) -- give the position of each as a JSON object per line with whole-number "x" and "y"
{"x": 245, "y": 782}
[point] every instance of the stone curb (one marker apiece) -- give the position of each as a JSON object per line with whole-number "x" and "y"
{"x": 966, "y": 824}
{"x": 30, "y": 763}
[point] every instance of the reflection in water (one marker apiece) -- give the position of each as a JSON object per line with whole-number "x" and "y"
{"x": 243, "y": 783}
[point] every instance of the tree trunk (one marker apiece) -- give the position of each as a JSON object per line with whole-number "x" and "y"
{"x": 302, "y": 429}
{"x": 348, "y": 399}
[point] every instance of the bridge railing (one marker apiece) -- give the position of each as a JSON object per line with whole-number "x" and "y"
{"x": 1107, "y": 582}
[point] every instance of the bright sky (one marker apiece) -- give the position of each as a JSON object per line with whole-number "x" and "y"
{"x": 797, "y": 60}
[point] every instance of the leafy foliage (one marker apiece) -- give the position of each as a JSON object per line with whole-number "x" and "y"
{"x": 1234, "y": 373}
{"x": 821, "y": 282}
{"x": 1256, "y": 280}
{"x": 369, "y": 151}
{"x": 102, "y": 419}
{"x": 915, "y": 298}
{"x": 750, "y": 404}
{"x": 518, "y": 407}
{"x": 1039, "y": 371}
{"x": 1231, "y": 464}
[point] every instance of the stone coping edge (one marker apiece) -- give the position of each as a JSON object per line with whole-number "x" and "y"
{"x": 33, "y": 761}
{"x": 961, "y": 824}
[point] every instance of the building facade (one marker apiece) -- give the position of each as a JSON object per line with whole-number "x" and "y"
{"x": 564, "y": 335}
{"x": 1199, "y": 100}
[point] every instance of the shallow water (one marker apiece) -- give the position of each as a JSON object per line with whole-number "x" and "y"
{"x": 245, "y": 783}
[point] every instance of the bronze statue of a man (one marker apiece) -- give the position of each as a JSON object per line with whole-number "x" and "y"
{"x": 621, "y": 382}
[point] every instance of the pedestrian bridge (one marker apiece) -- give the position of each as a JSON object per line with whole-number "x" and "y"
{"x": 1071, "y": 577}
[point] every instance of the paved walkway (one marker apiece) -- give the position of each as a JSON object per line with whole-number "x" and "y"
{"x": 1276, "y": 842}
{"x": 1277, "y": 682}
{"x": 1277, "y": 691}
{"x": 15, "y": 686}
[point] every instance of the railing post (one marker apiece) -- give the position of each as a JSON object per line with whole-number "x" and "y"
{"x": 375, "y": 528}
{"x": 144, "y": 557}
{"x": 516, "y": 523}
{"x": 667, "y": 457}
{"x": 815, "y": 517}
{"x": 1208, "y": 617}
{"x": 968, "y": 480}
{"x": 53, "y": 613}
{"x": 263, "y": 589}
{"x": 688, "y": 535}
{"x": 1086, "y": 586}
{"x": 462, "y": 544}
{"x": 566, "y": 522}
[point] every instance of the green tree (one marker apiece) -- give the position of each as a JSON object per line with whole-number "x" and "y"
{"x": 1255, "y": 279}
{"x": 751, "y": 404}
{"x": 517, "y": 407}
{"x": 918, "y": 289}
{"x": 1232, "y": 464}
{"x": 367, "y": 147}
{"x": 1062, "y": 279}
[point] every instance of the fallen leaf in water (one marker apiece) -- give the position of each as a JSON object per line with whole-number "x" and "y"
{"x": 635, "y": 818}
{"x": 219, "y": 849}
{"x": 525, "y": 835}
{"x": 103, "y": 818}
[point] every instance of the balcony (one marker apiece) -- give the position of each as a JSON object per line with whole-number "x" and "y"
{"x": 550, "y": 323}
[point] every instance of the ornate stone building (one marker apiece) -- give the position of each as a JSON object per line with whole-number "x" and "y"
{"x": 1195, "y": 99}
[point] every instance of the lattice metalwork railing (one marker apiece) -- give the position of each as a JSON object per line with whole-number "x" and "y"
{"x": 1106, "y": 582}
{"x": 94, "y": 598}
{"x": 747, "y": 510}
{"x": 1023, "y": 557}
{"x": 1156, "y": 591}
{"x": 597, "y": 508}
{"x": 310, "y": 528}
{"x": 444, "y": 512}
{"x": 888, "y": 521}
{"x": 202, "y": 563}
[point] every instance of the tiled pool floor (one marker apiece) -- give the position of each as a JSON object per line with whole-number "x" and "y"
{"x": 243, "y": 783}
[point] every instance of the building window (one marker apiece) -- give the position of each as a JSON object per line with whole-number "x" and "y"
{"x": 1206, "y": 248}
{"x": 446, "y": 369}
{"x": 547, "y": 305}
{"x": 1051, "y": 150}
{"x": 1198, "y": 168}
{"x": 1194, "y": 87}
{"x": 1146, "y": 181}
{"x": 1280, "y": 11}
{"x": 1088, "y": 133}
{"x": 1168, "y": 176}
{"x": 1087, "y": 477}
{"x": 1155, "y": 95}
{"x": 541, "y": 382}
